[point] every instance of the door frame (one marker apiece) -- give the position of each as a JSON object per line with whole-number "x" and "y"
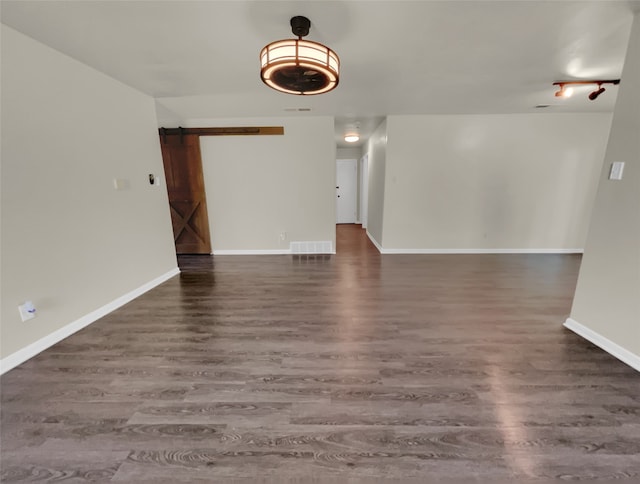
{"x": 363, "y": 211}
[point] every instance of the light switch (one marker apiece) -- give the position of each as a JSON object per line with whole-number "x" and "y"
{"x": 154, "y": 180}
{"x": 617, "y": 168}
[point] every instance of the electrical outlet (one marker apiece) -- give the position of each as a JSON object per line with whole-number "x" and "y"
{"x": 283, "y": 236}
{"x": 27, "y": 311}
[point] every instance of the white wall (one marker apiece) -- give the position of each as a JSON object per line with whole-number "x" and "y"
{"x": 70, "y": 242}
{"x": 377, "y": 150}
{"x": 606, "y": 307}
{"x": 523, "y": 181}
{"x": 354, "y": 153}
{"x": 259, "y": 187}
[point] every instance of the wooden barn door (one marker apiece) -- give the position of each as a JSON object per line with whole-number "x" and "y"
{"x": 185, "y": 185}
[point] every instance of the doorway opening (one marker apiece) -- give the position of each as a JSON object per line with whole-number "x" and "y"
{"x": 346, "y": 191}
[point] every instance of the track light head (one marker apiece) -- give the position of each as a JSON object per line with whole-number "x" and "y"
{"x": 564, "y": 91}
{"x": 594, "y": 95}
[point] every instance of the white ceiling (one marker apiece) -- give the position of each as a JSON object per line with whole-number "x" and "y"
{"x": 199, "y": 59}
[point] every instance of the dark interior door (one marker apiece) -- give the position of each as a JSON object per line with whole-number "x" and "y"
{"x": 187, "y": 200}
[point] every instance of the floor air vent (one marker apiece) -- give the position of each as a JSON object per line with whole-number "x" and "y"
{"x": 311, "y": 247}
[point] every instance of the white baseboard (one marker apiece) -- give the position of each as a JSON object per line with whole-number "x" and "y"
{"x": 481, "y": 251}
{"x": 472, "y": 251}
{"x": 374, "y": 242}
{"x": 607, "y": 345}
{"x": 42, "y": 344}
{"x": 253, "y": 252}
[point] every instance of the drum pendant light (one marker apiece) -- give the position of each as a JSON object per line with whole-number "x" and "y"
{"x": 297, "y": 66}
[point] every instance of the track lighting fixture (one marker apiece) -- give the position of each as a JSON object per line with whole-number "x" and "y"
{"x": 565, "y": 91}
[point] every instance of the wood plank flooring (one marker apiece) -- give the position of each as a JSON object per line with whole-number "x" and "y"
{"x": 348, "y": 368}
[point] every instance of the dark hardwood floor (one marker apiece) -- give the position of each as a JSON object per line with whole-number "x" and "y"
{"x": 351, "y": 368}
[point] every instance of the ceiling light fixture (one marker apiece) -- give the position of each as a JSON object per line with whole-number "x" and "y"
{"x": 351, "y": 138}
{"x": 352, "y": 133}
{"x": 297, "y": 66}
{"x": 565, "y": 91}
